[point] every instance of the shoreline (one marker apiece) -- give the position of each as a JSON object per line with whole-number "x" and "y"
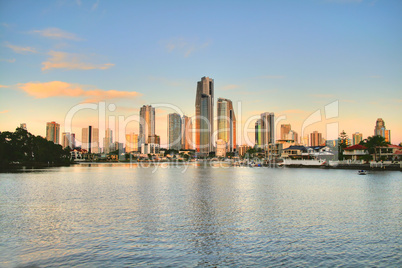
{"x": 212, "y": 164}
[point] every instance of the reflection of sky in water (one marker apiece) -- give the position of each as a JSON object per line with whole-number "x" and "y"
{"x": 125, "y": 215}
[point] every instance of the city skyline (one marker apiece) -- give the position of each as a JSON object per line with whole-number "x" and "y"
{"x": 346, "y": 51}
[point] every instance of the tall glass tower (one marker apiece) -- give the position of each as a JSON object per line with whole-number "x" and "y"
{"x": 174, "y": 131}
{"x": 53, "y": 132}
{"x": 204, "y": 115}
{"x": 147, "y": 124}
{"x": 226, "y": 123}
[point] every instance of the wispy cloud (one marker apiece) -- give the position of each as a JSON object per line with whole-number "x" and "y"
{"x": 8, "y": 60}
{"x": 95, "y": 5}
{"x": 78, "y": 2}
{"x": 62, "y": 89}
{"x": 3, "y": 112}
{"x": 184, "y": 46}
{"x": 271, "y": 77}
{"x": 230, "y": 87}
{"x": 21, "y": 50}
{"x": 322, "y": 96}
{"x": 70, "y": 61}
{"x": 56, "y": 33}
{"x": 2, "y": 86}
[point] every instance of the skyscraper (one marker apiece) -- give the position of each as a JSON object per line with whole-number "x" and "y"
{"x": 174, "y": 131}
{"x": 90, "y": 139}
{"x": 226, "y": 123}
{"x": 147, "y": 124}
{"x": 357, "y": 138}
{"x": 53, "y": 132}
{"x": 72, "y": 140}
{"x": 132, "y": 142}
{"x": 285, "y": 129}
{"x": 108, "y": 141}
{"x": 67, "y": 140}
{"x": 381, "y": 130}
{"x": 187, "y": 133}
{"x": 204, "y": 107}
{"x": 268, "y": 128}
{"x": 315, "y": 138}
{"x": 388, "y": 135}
{"x": 258, "y": 133}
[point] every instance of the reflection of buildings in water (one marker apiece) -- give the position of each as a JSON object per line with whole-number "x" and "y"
{"x": 211, "y": 213}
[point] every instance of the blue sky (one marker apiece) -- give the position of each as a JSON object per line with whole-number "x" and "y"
{"x": 287, "y": 57}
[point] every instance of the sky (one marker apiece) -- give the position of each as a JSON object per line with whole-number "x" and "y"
{"x": 339, "y": 58}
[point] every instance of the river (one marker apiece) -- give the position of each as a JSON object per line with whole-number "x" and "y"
{"x": 123, "y": 215}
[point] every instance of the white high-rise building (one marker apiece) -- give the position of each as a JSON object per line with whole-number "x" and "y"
{"x": 147, "y": 124}
{"x": 90, "y": 139}
{"x": 108, "y": 141}
{"x": 226, "y": 123}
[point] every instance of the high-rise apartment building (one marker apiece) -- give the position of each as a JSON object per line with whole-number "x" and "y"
{"x": 204, "y": 112}
{"x": 315, "y": 138}
{"x": 258, "y": 133}
{"x": 72, "y": 140}
{"x": 380, "y": 130}
{"x": 287, "y": 134}
{"x": 174, "y": 131}
{"x": 108, "y": 141}
{"x": 132, "y": 143}
{"x": 285, "y": 129}
{"x": 147, "y": 124}
{"x": 388, "y": 135}
{"x": 68, "y": 140}
{"x": 53, "y": 132}
{"x": 226, "y": 123}
{"x": 268, "y": 128}
{"x": 90, "y": 139}
{"x": 357, "y": 138}
{"x": 186, "y": 133}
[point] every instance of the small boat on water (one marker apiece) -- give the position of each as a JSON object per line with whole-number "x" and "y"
{"x": 362, "y": 172}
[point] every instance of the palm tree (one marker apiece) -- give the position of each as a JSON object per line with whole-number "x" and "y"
{"x": 342, "y": 144}
{"x": 374, "y": 142}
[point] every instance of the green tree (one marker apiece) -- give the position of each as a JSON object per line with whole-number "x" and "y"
{"x": 374, "y": 142}
{"x": 342, "y": 143}
{"x": 21, "y": 146}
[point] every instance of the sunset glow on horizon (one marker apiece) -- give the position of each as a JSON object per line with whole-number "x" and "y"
{"x": 286, "y": 57}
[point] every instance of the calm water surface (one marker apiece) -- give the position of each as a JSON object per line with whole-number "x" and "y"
{"x": 102, "y": 215}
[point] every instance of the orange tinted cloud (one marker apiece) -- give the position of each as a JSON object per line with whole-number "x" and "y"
{"x": 56, "y": 33}
{"x": 63, "y": 89}
{"x": 69, "y": 61}
{"x": 21, "y": 50}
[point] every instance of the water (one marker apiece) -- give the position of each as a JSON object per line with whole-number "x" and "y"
{"x": 102, "y": 215}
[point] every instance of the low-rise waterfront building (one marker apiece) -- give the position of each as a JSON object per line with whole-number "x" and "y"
{"x": 355, "y": 152}
{"x": 389, "y": 152}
